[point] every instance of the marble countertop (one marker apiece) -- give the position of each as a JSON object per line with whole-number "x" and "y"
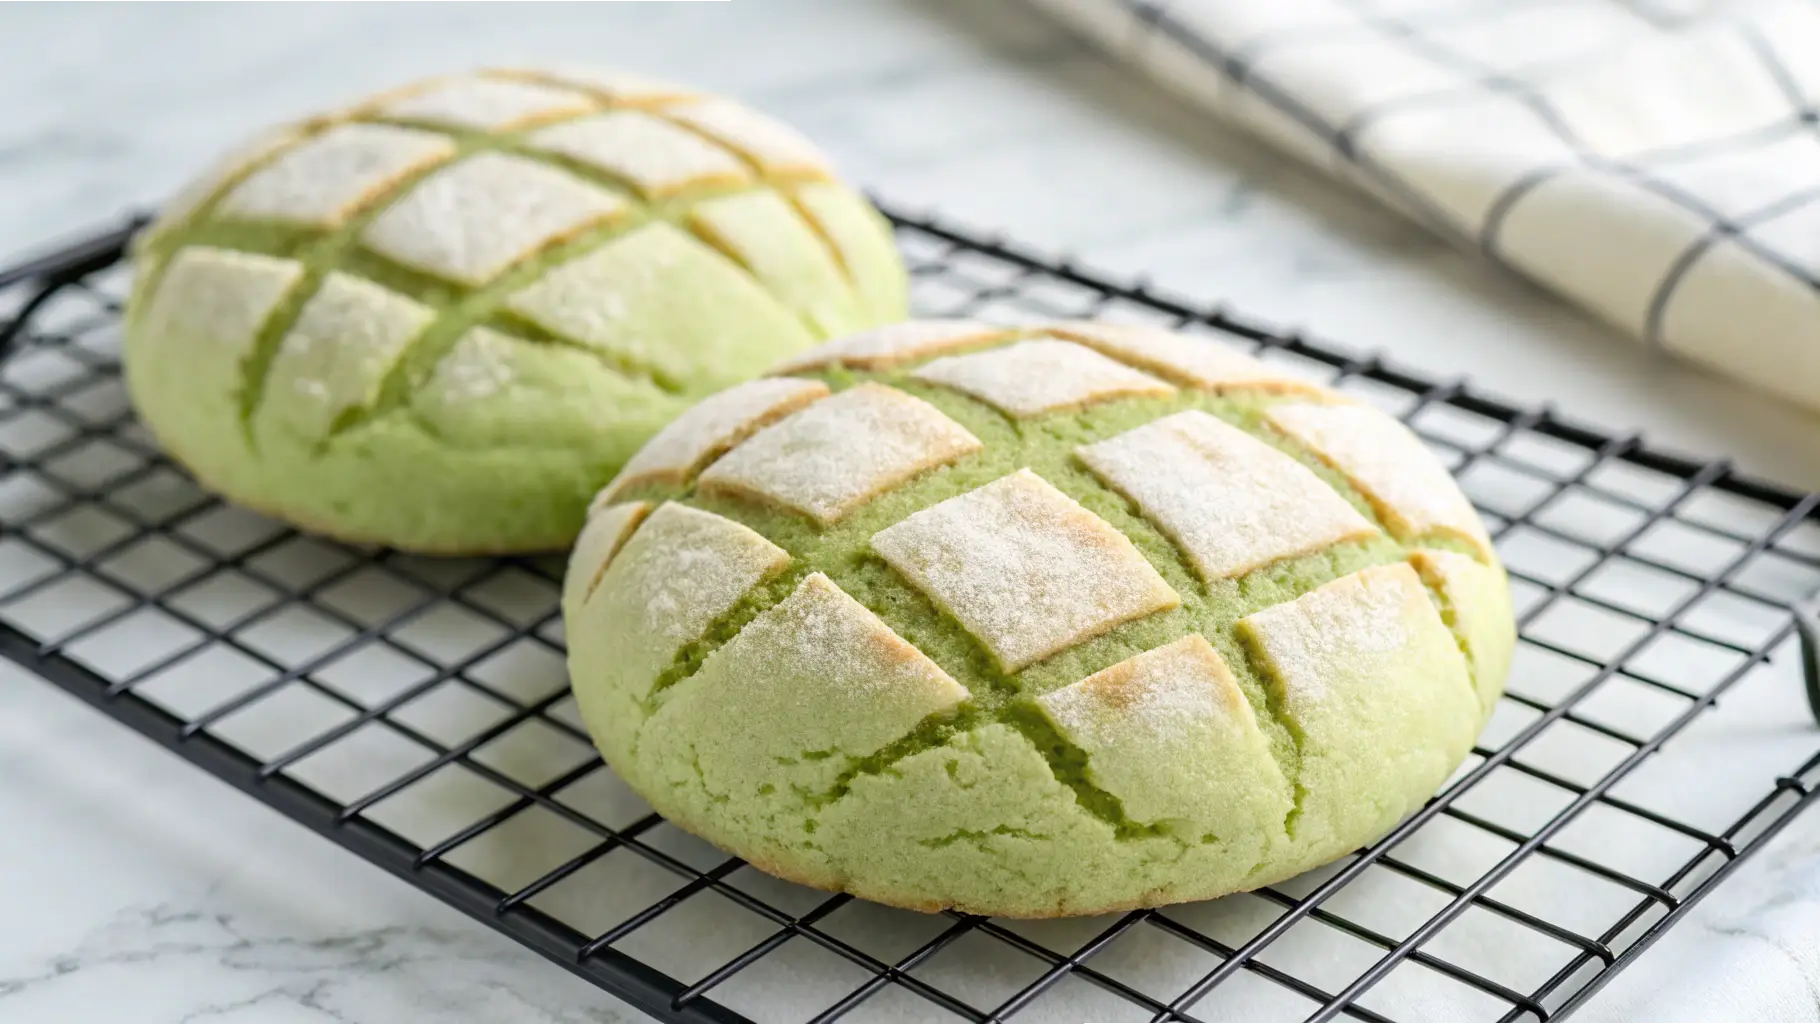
{"x": 949, "y": 105}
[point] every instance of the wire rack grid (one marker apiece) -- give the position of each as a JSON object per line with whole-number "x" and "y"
{"x": 415, "y": 711}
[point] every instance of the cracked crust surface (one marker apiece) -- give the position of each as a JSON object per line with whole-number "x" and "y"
{"x": 657, "y": 157}
{"x": 1388, "y": 464}
{"x": 606, "y": 532}
{"x": 492, "y": 104}
{"x": 590, "y": 259}
{"x": 1024, "y": 568}
{"x": 835, "y": 683}
{"x": 688, "y": 443}
{"x": 1188, "y": 654}
{"x": 1040, "y": 376}
{"x": 885, "y": 347}
{"x": 1232, "y": 502}
{"x": 1171, "y": 735}
{"x": 337, "y": 353}
{"x": 837, "y": 454}
{"x": 467, "y": 222}
{"x": 1190, "y": 362}
{"x": 323, "y": 181}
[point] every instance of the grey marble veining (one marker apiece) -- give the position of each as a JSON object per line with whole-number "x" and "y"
{"x": 984, "y": 111}
{"x": 140, "y": 889}
{"x": 345, "y": 976}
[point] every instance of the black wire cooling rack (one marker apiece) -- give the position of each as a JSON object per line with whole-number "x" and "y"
{"x": 415, "y": 712}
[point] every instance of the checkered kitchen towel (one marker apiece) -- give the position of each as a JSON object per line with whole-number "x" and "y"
{"x": 1658, "y": 162}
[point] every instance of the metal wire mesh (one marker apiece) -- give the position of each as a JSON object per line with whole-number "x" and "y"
{"x": 414, "y": 711}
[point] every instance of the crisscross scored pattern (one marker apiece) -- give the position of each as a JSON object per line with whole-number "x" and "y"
{"x": 951, "y": 685}
{"x": 509, "y": 279}
{"x": 414, "y": 711}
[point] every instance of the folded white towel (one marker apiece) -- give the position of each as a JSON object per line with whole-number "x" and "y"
{"x": 1657, "y": 162}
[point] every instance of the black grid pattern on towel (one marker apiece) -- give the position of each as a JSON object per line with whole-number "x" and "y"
{"x": 1451, "y": 38}
{"x": 414, "y": 711}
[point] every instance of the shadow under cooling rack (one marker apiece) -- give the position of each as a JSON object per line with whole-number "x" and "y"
{"x": 415, "y": 711}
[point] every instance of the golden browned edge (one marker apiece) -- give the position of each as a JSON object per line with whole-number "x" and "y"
{"x": 681, "y": 477}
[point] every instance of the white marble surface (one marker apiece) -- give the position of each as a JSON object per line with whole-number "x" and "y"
{"x": 984, "y": 111}
{"x": 122, "y": 907}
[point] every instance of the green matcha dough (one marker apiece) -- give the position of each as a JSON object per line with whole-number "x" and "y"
{"x": 1033, "y": 622}
{"x": 442, "y": 318}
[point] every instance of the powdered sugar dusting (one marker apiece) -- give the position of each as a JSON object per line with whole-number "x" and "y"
{"x": 1039, "y": 376}
{"x": 589, "y": 298}
{"x": 1230, "y": 501}
{"x": 1402, "y": 478}
{"x": 478, "y": 367}
{"x": 469, "y": 221}
{"x": 839, "y": 453}
{"x": 345, "y": 339}
{"x": 774, "y": 146}
{"x": 651, "y": 153}
{"x": 218, "y": 298}
{"x": 600, "y": 540}
{"x": 1190, "y": 362}
{"x": 1169, "y": 691}
{"x": 1170, "y": 734}
{"x": 821, "y": 634}
{"x": 717, "y": 423}
{"x": 1341, "y": 629}
{"x": 487, "y": 103}
{"x": 884, "y": 347}
{"x": 1025, "y": 568}
{"x": 684, "y": 568}
{"x": 178, "y": 207}
{"x": 324, "y": 180}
